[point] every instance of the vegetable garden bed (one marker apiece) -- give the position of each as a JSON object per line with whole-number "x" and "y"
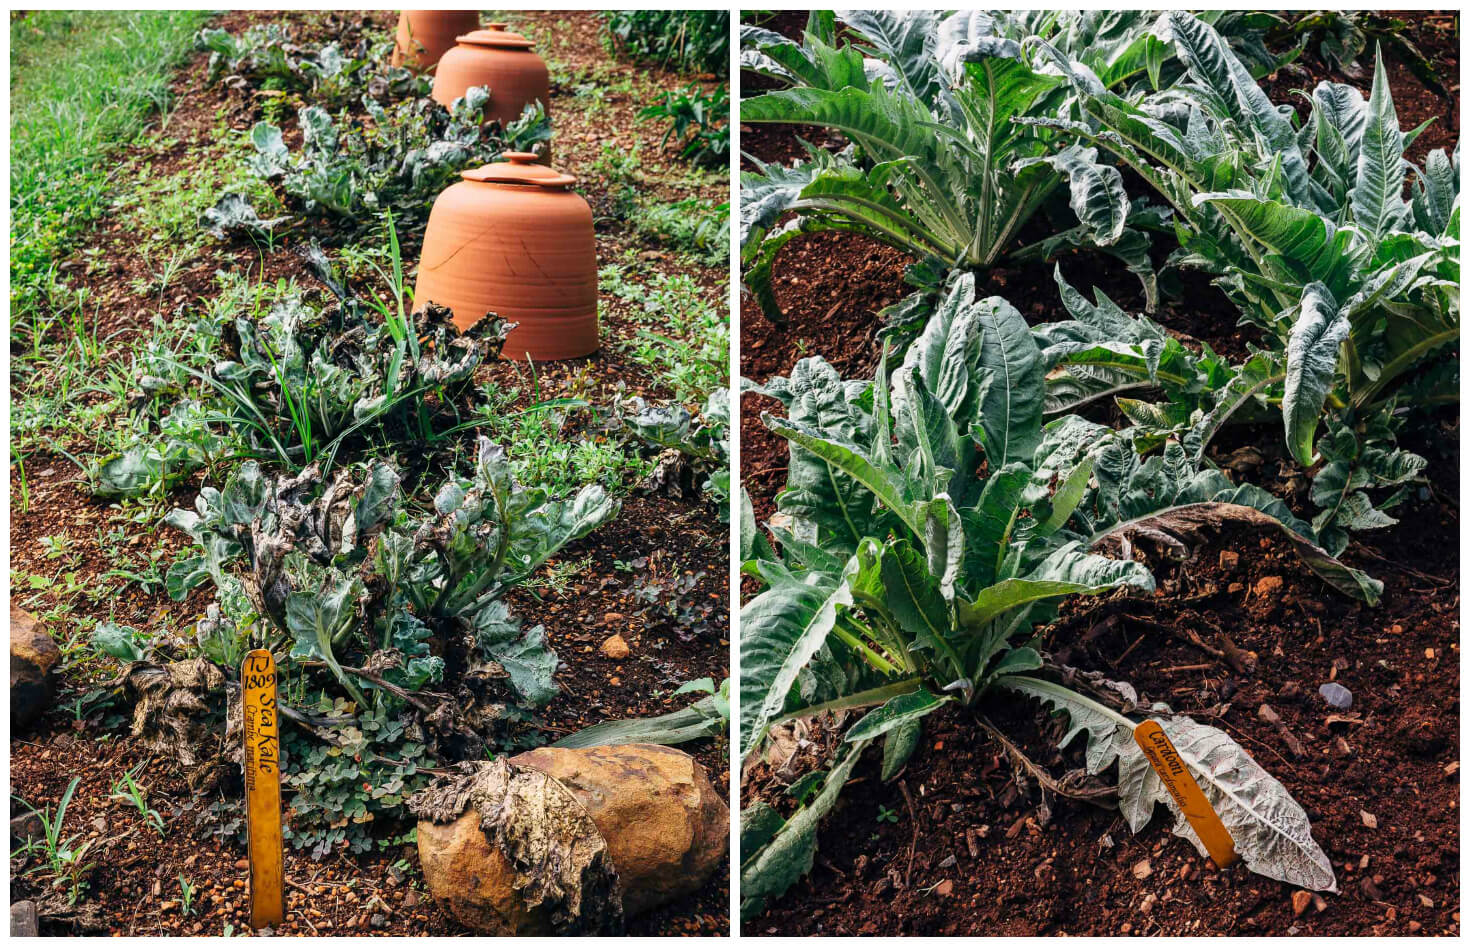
{"x": 144, "y": 280}
{"x": 964, "y": 838}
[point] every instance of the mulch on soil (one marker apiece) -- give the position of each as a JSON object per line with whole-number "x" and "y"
{"x": 135, "y": 888}
{"x": 974, "y": 853}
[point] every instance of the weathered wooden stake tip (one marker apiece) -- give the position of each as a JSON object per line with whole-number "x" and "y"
{"x": 263, "y": 789}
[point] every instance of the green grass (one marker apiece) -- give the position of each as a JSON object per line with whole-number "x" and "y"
{"x": 544, "y": 454}
{"x": 82, "y": 85}
{"x": 699, "y": 229}
{"x": 682, "y": 339}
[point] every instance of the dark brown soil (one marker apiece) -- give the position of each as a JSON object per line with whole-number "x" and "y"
{"x": 1437, "y": 35}
{"x": 134, "y": 888}
{"x": 972, "y": 853}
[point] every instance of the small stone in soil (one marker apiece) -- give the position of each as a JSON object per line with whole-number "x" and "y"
{"x": 615, "y": 648}
{"x": 1369, "y": 819}
{"x": 1268, "y": 585}
{"x": 1337, "y": 696}
{"x": 1300, "y": 901}
{"x": 1143, "y": 869}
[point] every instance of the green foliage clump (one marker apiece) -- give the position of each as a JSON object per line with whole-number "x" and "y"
{"x": 368, "y": 768}
{"x": 953, "y": 151}
{"x": 686, "y": 40}
{"x": 681, "y": 337}
{"x": 699, "y": 123}
{"x": 366, "y": 599}
{"x": 265, "y": 56}
{"x": 694, "y": 226}
{"x": 703, "y": 440}
{"x": 343, "y": 569}
{"x": 398, "y": 161}
{"x": 297, "y": 381}
{"x": 933, "y": 523}
{"x": 1309, "y": 232}
{"x": 543, "y": 447}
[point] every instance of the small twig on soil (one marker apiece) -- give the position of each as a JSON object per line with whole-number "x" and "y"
{"x": 1220, "y": 718}
{"x": 1438, "y": 581}
{"x": 914, "y": 838}
{"x": 1128, "y": 650}
{"x": 390, "y": 687}
{"x": 1042, "y": 777}
{"x": 1187, "y": 635}
{"x": 1182, "y": 668}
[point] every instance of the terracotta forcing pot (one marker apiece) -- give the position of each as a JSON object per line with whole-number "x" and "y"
{"x": 513, "y": 239}
{"x": 500, "y": 60}
{"x": 425, "y": 35}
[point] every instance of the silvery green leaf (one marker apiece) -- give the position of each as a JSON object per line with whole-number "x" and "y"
{"x": 1270, "y": 831}
{"x": 522, "y": 653}
{"x": 898, "y": 745}
{"x": 233, "y": 214}
{"x": 702, "y": 719}
{"x": 781, "y": 630}
{"x": 1311, "y": 367}
{"x": 449, "y": 498}
{"x": 1097, "y": 195}
{"x": 1378, "y": 191}
{"x": 184, "y": 576}
{"x": 119, "y": 641}
{"x": 897, "y": 712}
{"x": 788, "y": 855}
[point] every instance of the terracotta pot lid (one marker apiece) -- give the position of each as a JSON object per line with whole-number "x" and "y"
{"x": 520, "y": 167}
{"x": 495, "y": 34}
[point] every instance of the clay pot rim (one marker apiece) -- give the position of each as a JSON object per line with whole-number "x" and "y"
{"x": 495, "y": 35}
{"x": 520, "y": 169}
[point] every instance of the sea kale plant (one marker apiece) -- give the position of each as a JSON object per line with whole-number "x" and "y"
{"x": 932, "y": 524}
{"x": 698, "y": 123}
{"x": 299, "y": 380}
{"x": 1309, "y": 231}
{"x": 692, "y": 445}
{"x": 949, "y": 162}
{"x": 397, "y": 160}
{"x": 348, "y": 577}
{"x": 331, "y": 76}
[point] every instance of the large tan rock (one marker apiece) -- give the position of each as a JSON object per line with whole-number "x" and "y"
{"x": 32, "y": 657}
{"x": 570, "y": 841}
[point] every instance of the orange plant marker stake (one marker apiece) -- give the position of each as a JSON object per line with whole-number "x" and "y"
{"x": 263, "y": 790}
{"x": 1192, "y": 801}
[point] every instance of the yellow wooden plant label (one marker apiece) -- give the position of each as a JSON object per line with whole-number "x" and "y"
{"x": 1164, "y": 758}
{"x": 263, "y": 789}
